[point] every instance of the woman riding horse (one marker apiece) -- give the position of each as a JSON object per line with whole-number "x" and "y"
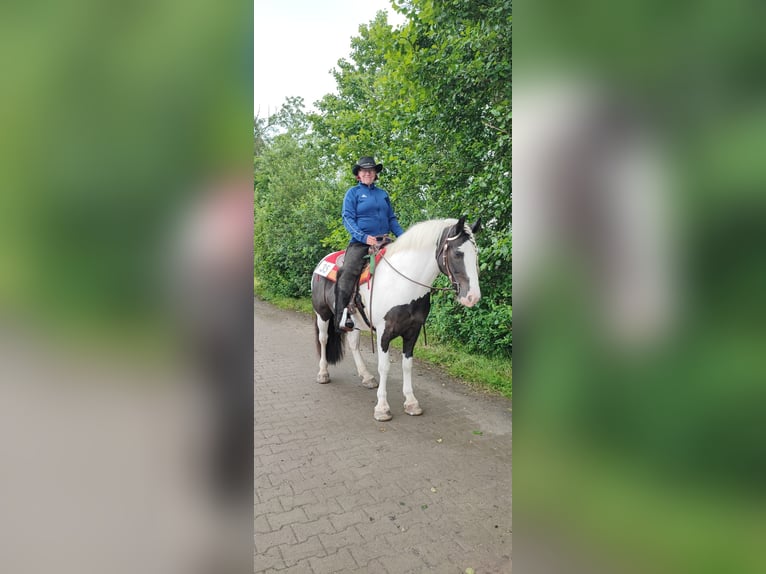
{"x": 368, "y": 216}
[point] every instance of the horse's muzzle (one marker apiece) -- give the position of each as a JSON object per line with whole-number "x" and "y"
{"x": 471, "y": 299}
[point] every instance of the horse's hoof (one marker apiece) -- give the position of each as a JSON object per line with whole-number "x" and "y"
{"x": 370, "y": 383}
{"x": 382, "y": 416}
{"x": 323, "y": 379}
{"x": 413, "y": 409}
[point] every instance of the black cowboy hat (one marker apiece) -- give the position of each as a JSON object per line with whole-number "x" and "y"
{"x": 367, "y": 162}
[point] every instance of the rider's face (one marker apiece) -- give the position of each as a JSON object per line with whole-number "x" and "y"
{"x": 367, "y": 176}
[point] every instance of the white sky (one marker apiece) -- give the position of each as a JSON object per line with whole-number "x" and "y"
{"x": 298, "y": 42}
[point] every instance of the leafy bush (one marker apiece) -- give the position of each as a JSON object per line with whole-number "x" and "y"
{"x": 485, "y": 329}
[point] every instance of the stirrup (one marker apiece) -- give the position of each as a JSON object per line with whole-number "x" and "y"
{"x": 346, "y": 323}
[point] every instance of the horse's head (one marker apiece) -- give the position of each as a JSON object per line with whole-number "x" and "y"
{"x": 458, "y": 259}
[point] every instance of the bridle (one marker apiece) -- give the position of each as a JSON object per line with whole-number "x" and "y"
{"x": 445, "y": 264}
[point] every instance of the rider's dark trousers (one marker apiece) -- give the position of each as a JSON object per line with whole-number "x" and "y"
{"x": 353, "y": 264}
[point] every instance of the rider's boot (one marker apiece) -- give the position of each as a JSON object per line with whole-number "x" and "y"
{"x": 343, "y": 321}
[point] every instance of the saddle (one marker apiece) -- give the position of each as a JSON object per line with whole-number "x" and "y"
{"x": 328, "y": 267}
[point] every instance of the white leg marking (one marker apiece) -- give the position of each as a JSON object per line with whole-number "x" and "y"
{"x": 382, "y": 410}
{"x": 324, "y": 375}
{"x": 411, "y": 406}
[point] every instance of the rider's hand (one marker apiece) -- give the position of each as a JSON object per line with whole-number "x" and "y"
{"x": 371, "y": 240}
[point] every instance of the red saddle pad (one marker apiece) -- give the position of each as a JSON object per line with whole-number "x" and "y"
{"x": 328, "y": 267}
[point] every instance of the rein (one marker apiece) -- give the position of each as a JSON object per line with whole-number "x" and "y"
{"x": 411, "y": 280}
{"x": 447, "y": 271}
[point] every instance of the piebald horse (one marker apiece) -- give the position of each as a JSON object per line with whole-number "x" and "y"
{"x": 401, "y": 300}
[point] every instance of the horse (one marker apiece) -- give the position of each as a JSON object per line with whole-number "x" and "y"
{"x": 396, "y": 300}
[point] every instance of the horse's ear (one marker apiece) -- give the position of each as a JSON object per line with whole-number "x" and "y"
{"x": 460, "y": 225}
{"x": 476, "y": 227}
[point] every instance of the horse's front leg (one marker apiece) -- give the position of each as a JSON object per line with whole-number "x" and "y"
{"x": 411, "y": 406}
{"x": 322, "y": 334}
{"x": 368, "y": 379}
{"x": 382, "y": 410}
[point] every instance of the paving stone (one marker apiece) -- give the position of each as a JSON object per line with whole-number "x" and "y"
{"x": 374, "y": 567}
{"x": 302, "y": 567}
{"x": 334, "y": 542}
{"x": 303, "y": 531}
{"x": 270, "y": 559}
{"x": 290, "y": 502}
{"x": 340, "y": 561}
{"x": 346, "y": 519}
{"x": 261, "y": 525}
{"x": 269, "y": 539}
{"x": 292, "y": 553}
{"x": 323, "y": 508}
{"x": 294, "y": 516}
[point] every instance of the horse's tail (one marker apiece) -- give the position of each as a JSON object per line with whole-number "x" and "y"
{"x": 335, "y": 339}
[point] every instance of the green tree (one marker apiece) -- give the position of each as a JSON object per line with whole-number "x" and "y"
{"x": 292, "y": 195}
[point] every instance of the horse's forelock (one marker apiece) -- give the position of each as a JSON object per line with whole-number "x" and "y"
{"x": 468, "y": 233}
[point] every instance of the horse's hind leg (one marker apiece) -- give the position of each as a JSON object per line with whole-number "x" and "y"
{"x": 323, "y": 326}
{"x": 368, "y": 379}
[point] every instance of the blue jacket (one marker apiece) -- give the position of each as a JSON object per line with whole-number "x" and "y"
{"x": 368, "y": 211}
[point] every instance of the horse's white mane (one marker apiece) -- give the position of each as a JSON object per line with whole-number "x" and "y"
{"x": 422, "y": 235}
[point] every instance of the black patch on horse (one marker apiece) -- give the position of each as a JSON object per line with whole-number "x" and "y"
{"x": 405, "y": 321}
